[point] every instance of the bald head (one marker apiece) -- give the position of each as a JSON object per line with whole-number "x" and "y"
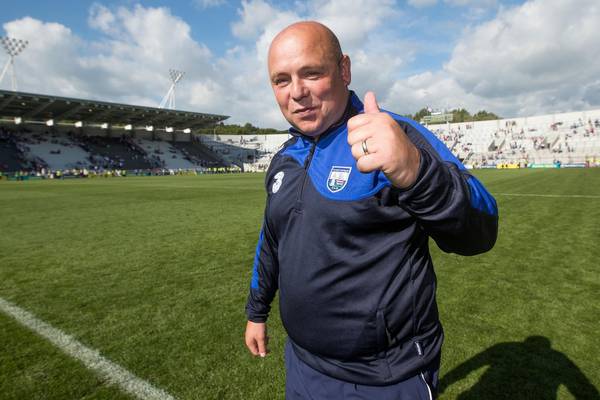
{"x": 312, "y": 32}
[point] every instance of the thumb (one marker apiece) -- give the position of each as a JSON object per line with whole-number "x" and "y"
{"x": 371, "y": 103}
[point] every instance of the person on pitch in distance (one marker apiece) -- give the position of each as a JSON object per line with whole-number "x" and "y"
{"x": 352, "y": 200}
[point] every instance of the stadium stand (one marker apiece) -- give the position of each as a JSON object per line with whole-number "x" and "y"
{"x": 121, "y": 153}
{"x": 567, "y": 138}
{"x": 36, "y": 148}
{"x": 53, "y": 150}
{"x": 250, "y": 153}
{"x": 199, "y": 154}
{"x": 41, "y": 132}
{"x": 166, "y": 153}
{"x": 11, "y": 157}
{"x": 33, "y": 144}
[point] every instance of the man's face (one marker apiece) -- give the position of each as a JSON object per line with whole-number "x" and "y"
{"x": 310, "y": 86}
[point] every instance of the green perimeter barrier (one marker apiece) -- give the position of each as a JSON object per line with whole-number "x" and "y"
{"x": 544, "y": 166}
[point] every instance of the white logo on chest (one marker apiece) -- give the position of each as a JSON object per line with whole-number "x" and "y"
{"x": 277, "y": 181}
{"x": 338, "y": 178}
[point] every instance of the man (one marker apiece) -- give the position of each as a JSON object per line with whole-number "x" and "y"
{"x": 352, "y": 200}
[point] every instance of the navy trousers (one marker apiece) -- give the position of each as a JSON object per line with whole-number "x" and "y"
{"x": 305, "y": 383}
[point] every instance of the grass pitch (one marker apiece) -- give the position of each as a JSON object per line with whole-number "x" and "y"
{"x": 154, "y": 273}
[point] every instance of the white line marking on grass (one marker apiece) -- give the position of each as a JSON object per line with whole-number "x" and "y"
{"x": 566, "y": 196}
{"x": 91, "y": 358}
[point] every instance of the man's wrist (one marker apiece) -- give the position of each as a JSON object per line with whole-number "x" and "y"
{"x": 408, "y": 176}
{"x": 257, "y": 319}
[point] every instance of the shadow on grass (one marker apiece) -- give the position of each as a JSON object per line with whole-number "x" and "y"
{"x": 521, "y": 370}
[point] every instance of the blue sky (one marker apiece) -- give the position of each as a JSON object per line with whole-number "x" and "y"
{"x": 506, "y": 56}
{"x": 211, "y": 24}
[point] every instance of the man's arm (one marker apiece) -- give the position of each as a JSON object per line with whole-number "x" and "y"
{"x": 452, "y": 206}
{"x": 263, "y": 286}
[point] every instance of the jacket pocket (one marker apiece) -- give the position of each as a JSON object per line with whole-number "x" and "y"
{"x": 385, "y": 339}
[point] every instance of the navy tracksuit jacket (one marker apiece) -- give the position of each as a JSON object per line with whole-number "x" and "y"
{"x": 349, "y": 252}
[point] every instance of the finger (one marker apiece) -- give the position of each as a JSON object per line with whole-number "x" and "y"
{"x": 370, "y": 103}
{"x": 358, "y": 151}
{"x": 368, "y": 163}
{"x": 358, "y": 121}
{"x": 262, "y": 347}
{"x": 359, "y": 134}
{"x": 252, "y": 346}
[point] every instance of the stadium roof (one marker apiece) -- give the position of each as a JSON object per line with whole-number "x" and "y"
{"x": 39, "y": 108}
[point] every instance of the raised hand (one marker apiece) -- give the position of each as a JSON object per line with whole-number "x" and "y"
{"x": 379, "y": 143}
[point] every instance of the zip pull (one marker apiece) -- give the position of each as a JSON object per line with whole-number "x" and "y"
{"x": 391, "y": 339}
{"x": 310, "y": 155}
{"x": 298, "y": 206}
{"x": 419, "y": 349}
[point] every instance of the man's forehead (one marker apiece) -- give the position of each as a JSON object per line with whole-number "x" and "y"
{"x": 295, "y": 40}
{"x": 301, "y": 46}
{"x": 307, "y": 30}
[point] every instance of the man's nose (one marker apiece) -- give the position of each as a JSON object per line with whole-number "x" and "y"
{"x": 299, "y": 90}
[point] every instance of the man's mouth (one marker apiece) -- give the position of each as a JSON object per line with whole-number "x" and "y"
{"x": 304, "y": 110}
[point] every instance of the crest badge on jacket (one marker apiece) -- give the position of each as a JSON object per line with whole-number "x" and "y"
{"x": 338, "y": 178}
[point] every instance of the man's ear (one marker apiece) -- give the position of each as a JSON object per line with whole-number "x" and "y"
{"x": 345, "y": 69}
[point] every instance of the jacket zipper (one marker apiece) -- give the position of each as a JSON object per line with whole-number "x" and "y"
{"x": 305, "y": 176}
{"x": 419, "y": 349}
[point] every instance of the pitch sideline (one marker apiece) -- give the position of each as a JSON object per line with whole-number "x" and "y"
{"x": 92, "y": 359}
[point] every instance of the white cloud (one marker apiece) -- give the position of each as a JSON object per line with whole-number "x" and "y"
{"x": 474, "y": 3}
{"x": 474, "y": 10}
{"x": 138, "y": 45}
{"x": 538, "y": 57}
{"x": 427, "y": 89}
{"x": 101, "y": 18}
{"x": 210, "y": 3}
{"x": 422, "y": 3}
{"x": 52, "y": 48}
{"x": 543, "y": 51}
{"x": 130, "y": 62}
{"x": 591, "y": 93}
{"x": 257, "y": 16}
{"x": 352, "y": 20}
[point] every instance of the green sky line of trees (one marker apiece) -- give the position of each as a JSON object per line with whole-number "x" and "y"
{"x": 459, "y": 115}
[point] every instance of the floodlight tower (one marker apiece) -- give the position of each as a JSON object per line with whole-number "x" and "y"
{"x": 169, "y": 99}
{"x": 13, "y": 48}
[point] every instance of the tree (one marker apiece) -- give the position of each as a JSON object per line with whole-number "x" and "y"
{"x": 485, "y": 116}
{"x": 420, "y": 114}
{"x": 233, "y": 129}
{"x": 461, "y": 115}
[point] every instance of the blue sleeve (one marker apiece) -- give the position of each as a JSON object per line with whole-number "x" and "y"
{"x": 265, "y": 276}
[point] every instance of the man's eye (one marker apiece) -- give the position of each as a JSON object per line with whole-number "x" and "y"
{"x": 313, "y": 74}
{"x": 280, "y": 81}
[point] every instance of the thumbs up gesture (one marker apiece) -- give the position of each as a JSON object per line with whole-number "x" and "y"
{"x": 379, "y": 143}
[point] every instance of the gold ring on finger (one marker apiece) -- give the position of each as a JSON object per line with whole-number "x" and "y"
{"x": 365, "y": 149}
